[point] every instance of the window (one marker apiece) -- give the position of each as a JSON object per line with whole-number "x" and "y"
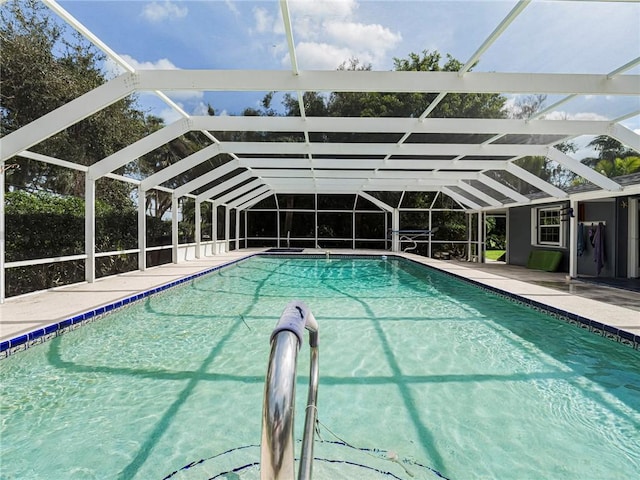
{"x": 547, "y": 227}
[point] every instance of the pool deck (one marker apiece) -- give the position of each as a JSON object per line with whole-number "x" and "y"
{"x": 615, "y": 307}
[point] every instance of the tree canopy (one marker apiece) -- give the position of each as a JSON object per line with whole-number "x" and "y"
{"x": 391, "y": 104}
{"x": 43, "y": 67}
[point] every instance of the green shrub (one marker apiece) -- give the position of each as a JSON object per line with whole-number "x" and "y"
{"x": 44, "y": 225}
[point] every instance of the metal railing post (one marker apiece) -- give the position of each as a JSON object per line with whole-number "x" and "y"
{"x": 276, "y": 450}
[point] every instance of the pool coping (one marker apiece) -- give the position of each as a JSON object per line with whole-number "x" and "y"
{"x": 42, "y": 334}
{"x": 618, "y": 334}
{"x": 39, "y": 335}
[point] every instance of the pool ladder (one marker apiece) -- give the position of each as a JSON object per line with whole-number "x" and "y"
{"x": 404, "y": 238}
{"x": 277, "y": 445}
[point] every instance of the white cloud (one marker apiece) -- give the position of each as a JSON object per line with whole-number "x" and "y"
{"x": 327, "y": 34}
{"x": 360, "y": 35}
{"x": 232, "y": 6}
{"x": 200, "y": 109}
{"x": 113, "y": 69}
{"x": 158, "y": 11}
{"x": 323, "y": 56}
{"x": 372, "y": 40}
{"x": 263, "y": 21}
{"x": 161, "y": 64}
{"x": 169, "y": 115}
{"x": 323, "y": 8}
{"x": 559, "y": 115}
{"x": 184, "y": 94}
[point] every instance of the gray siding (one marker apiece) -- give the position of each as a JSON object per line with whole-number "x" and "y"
{"x": 519, "y": 243}
{"x": 611, "y": 211}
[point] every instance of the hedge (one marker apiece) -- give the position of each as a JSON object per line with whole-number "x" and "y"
{"x": 44, "y": 225}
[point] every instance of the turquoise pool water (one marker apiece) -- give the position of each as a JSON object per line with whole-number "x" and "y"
{"x": 448, "y": 378}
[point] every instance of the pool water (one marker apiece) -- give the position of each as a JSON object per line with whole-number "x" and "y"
{"x": 421, "y": 375}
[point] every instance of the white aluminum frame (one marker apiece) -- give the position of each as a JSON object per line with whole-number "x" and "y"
{"x": 383, "y": 171}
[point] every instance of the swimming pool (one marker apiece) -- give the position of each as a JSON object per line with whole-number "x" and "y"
{"x": 413, "y": 363}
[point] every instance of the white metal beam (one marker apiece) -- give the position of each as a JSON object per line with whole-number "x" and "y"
{"x": 308, "y": 173}
{"x": 407, "y": 183}
{"x": 371, "y": 164}
{"x": 280, "y": 148}
{"x": 239, "y": 200}
{"x": 90, "y": 229}
{"x": 218, "y": 189}
{"x": 380, "y": 174}
{"x": 72, "y": 166}
{"x": 627, "y": 66}
{"x": 461, "y": 199}
{"x": 499, "y": 187}
{"x": 479, "y": 194}
{"x": 375, "y": 201}
{"x": 536, "y": 181}
{"x": 386, "y": 81}
{"x": 182, "y": 166}
{"x": 53, "y": 161}
{"x": 552, "y": 107}
{"x": 511, "y": 16}
{"x": 249, "y": 203}
{"x": 625, "y": 136}
{"x": 583, "y": 170}
{"x": 304, "y": 184}
{"x": 400, "y": 125}
{"x": 139, "y": 148}
{"x": 237, "y": 192}
{"x": 66, "y": 115}
{"x": 286, "y": 20}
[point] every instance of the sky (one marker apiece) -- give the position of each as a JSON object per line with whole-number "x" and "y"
{"x": 547, "y": 37}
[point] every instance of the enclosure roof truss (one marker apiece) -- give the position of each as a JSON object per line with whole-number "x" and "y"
{"x": 447, "y": 155}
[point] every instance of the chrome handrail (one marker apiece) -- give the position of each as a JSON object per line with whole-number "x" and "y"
{"x": 276, "y": 449}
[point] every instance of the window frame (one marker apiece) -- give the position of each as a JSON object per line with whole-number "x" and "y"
{"x": 537, "y": 226}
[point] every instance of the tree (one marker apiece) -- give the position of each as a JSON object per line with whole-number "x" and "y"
{"x": 314, "y": 105}
{"x": 43, "y": 69}
{"x": 393, "y": 104}
{"x": 619, "y": 166}
{"x": 552, "y": 172}
{"x": 614, "y": 159}
{"x": 610, "y": 149}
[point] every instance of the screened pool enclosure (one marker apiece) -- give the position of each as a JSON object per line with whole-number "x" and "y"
{"x": 311, "y": 177}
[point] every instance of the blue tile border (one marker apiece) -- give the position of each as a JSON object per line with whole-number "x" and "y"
{"x": 608, "y": 331}
{"x": 41, "y": 335}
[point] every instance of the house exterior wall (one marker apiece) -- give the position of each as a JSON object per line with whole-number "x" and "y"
{"x": 519, "y": 242}
{"x": 613, "y": 212}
